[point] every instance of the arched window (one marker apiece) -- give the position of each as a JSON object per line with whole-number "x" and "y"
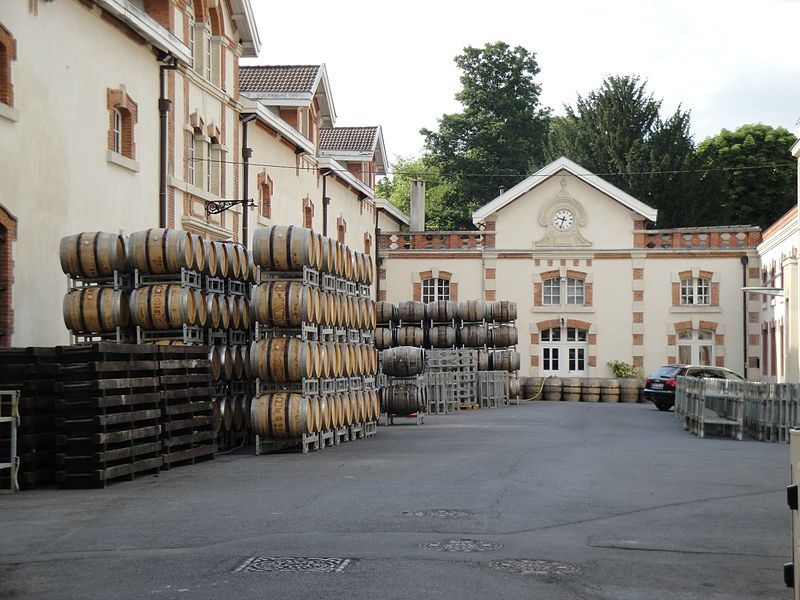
{"x": 563, "y": 291}
{"x": 435, "y": 289}
{"x": 695, "y": 347}
{"x": 265, "y": 195}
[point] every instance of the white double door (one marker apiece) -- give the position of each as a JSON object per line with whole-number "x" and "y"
{"x": 563, "y": 352}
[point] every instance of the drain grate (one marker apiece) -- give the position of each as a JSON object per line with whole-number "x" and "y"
{"x": 440, "y": 513}
{"x": 536, "y": 567}
{"x": 296, "y": 564}
{"x": 462, "y": 545}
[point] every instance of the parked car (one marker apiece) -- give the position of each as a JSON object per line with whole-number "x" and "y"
{"x": 660, "y": 386}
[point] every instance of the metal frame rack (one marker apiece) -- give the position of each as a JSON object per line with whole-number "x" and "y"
{"x": 9, "y": 421}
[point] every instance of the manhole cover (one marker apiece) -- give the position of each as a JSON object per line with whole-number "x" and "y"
{"x": 299, "y": 565}
{"x": 441, "y": 513}
{"x": 535, "y": 567}
{"x": 466, "y": 545}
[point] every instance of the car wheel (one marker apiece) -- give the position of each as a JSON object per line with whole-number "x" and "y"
{"x": 662, "y": 404}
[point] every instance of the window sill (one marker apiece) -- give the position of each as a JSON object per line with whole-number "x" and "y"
{"x": 696, "y": 308}
{"x": 122, "y": 161}
{"x": 9, "y": 112}
{"x": 192, "y": 189}
{"x": 562, "y": 308}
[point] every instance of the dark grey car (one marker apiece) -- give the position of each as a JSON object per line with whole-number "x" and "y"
{"x": 660, "y": 386}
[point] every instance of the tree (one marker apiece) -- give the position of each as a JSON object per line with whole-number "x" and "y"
{"x": 746, "y": 192}
{"x": 497, "y": 138}
{"x": 439, "y": 213}
{"x": 618, "y": 129}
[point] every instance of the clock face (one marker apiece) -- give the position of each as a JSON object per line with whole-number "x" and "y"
{"x": 563, "y": 219}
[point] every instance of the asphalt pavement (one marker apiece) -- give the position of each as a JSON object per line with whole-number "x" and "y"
{"x": 542, "y": 500}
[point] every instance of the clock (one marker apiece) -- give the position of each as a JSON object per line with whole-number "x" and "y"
{"x": 563, "y": 219}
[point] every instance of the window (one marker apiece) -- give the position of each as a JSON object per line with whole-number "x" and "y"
{"x": 117, "y": 131}
{"x": 190, "y": 19}
{"x": 190, "y": 161}
{"x": 574, "y": 291}
{"x": 551, "y": 291}
{"x": 209, "y": 165}
{"x": 209, "y": 70}
{"x": 265, "y": 195}
{"x": 695, "y": 347}
{"x": 564, "y": 351}
{"x": 435, "y": 289}
{"x": 695, "y": 290}
{"x": 8, "y": 54}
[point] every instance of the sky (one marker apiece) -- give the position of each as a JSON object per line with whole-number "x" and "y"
{"x": 391, "y": 64}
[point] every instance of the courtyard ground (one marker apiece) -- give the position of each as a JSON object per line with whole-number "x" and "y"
{"x": 542, "y": 500}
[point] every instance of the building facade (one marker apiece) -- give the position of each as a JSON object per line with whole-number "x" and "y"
{"x": 591, "y": 283}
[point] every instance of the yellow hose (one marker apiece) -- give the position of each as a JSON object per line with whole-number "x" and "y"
{"x": 539, "y": 393}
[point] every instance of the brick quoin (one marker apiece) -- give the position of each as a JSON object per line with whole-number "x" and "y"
{"x": 453, "y": 291}
{"x": 676, "y": 294}
{"x": 638, "y": 339}
{"x": 638, "y": 362}
{"x": 638, "y": 295}
{"x": 638, "y": 317}
{"x": 709, "y": 325}
{"x": 490, "y": 274}
{"x": 592, "y": 361}
{"x": 638, "y": 274}
{"x": 720, "y": 361}
{"x": 534, "y": 338}
{"x": 537, "y": 294}
{"x": 416, "y": 292}
{"x": 534, "y": 360}
{"x": 489, "y": 295}
{"x": 8, "y": 54}
{"x": 588, "y": 294}
{"x": 382, "y": 295}
{"x": 8, "y": 228}
{"x": 592, "y": 339}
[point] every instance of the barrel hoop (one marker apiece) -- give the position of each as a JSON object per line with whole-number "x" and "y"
{"x": 268, "y": 289}
{"x": 78, "y": 262}
{"x": 286, "y": 298}
{"x": 148, "y": 313}
{"x": 99, "y": 308}
{"x": 286, "y": 359}
{"x": 289, "y": 235}
{"x": 81, "y": 319}
{"x": 95, "y": 253}
{"x": 269, "y": 416}
{"x": 270, "y": 245}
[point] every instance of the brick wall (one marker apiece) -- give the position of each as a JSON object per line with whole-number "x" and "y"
{"x": 8, "y": 54}
{"x": 8, "y": 231}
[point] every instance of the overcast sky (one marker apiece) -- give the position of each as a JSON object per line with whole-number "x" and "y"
{"x": 391, "y": 64}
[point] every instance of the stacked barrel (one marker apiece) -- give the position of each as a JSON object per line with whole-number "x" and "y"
{"x": 404, "y": 392}
{"x": 313, "y": 353}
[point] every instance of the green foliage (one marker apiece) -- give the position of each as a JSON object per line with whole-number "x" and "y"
{"x": 618, "y": 128}
{"x": 622, "y": 369}
{"x": 750, "y": 196}
{"x": 500, "y": 132}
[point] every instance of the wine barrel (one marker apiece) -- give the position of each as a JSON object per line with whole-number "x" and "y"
{"x": 244, "y": 312}
{"x": 210, "y": 251}
{"x": 238, "y": 362}
{"x": 533, "y": 388}
{"x": 376, "y": 404}
{"x": 226, "y": 358}
{"x": 384, "y": 338}
{"x": 386, "y": 312}
{"x": 402, "y": 399}
{"x": 483, "y": 360}
{"x": 357, "y": 319}
{"x": 325, "y": 360}
{"x": 215, "y": 362}
{"x": 504, "y": 311}
{"x": 347, "y": 262}
{"x": 629, "y": 390}
{"x": 213, "y": 310}
{"x": 244, "y": 355}
{"x": 503, "y": 336}
{"x": 370, "y": 273}
{"x": 472, "y": 310}
{"x": 163, "y": 306}
{"x": 283, "y": 360}
{"x": 244, "y": 262}
{"x": 317, "y": 409}
{"x": 160, "y": 251}
{"x": 442, "y": 310}
{"x": 403, "y": 361}
{"x": 442, "y": 336}
{"x": 341, "y": 417}
{"x": 372, "y": 321}
{"x": 355, "y": 407}
{"x": 571, "y": 389}
{"x": 590, "y": 390}
{"x": 609, "y": 390}
{"x": 201, "y": 306}
{"x": 96, "y": 310}
{"x": 328, "y": 255}
{"x": 282, "y": 304}
{"x": 233, "y": 310}
{"x": 237, "y": 405}
{"x": 283, "y": 415}
{"x": 358, "y": 267}
{"x": 373, "y": 360}
{"x": 473, "y": 336}
{"x": 223, "y": 261}
{"x": 246, "y": 401}
{"x": 92, "y": 254}
{"x": 411, "y": 311}
{"x": 284, "y": 248}
{"x": 199, "y": 247}
{"x": 234, "y": 266}
{"x": 514, "y": 388}
{"x": 226, "y": 413}
{"x": 326, "y": 410}
{"x": 410, "y": 336}
{"x": 505, "y": 360}
{"x": 552, "y": 389}
{"x": 317, "y": 252}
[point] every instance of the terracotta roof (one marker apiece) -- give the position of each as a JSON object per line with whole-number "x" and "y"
{"x": 278, "y": 78}
{"x": 353, "y": 139}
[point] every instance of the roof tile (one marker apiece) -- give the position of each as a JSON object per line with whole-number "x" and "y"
{"x": 278, "y": 78}
{"x": 354, "y": 139}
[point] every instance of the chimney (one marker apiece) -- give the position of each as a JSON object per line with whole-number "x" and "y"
{"x": 417, "y": 205}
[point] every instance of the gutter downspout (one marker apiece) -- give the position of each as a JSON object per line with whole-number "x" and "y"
{"x": 169, "y": 63}
{"x": 745, "y": 338}
{"x": 247, "y": 153}
{"x": 377, "y": 243}
{"x": 325, "y": 200}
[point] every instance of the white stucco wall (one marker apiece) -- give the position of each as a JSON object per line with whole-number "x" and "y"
{"x": 55, "y": 177}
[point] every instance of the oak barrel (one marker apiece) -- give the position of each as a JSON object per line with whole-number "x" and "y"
{"x": 212, "y": 308}
{"x": 326, "y": 410}
{"x": 483, "y": 360}
{"x": 411, "y": 311}
{"x": 472, "y": 310}
{"x": 386, "y": 312}
{"x": 226, "y": 357}
{"x": 163, "y": 306}
{"x": 504, "y": 311}
{"x": 514, "y": 388}
{"x": 590, "y": 392}
{"x": 442, "y": 336}
{"x": 505, "y": 360}
{"x": 402, "y": 399}
{"x": 473, "y": 336}
{"x": 201, "y": 306}
{"x": 237, "y": 404}
{"x": 609, "y": 390}
{"x": 199, "y": 248}
{"x": 282, "y": 360}
{"x": 96, "y": 310}
{"x": 226, "y": 413}
{"x": 384, "y": 338}
{"x": 234, "y": 266}
{"x": 571, "y": 389}
{"x": 223, "y": 262}
{"x": 160, "y": 251}
{"x": 92, "y": 254}
{"x": 284, "y": 248}
{"x": 629, "y": 390}
{"x": 283, "y": 415}
{"x": 410, "y": 336}
{"x": 216, "y": 363}
{"x": 210, "y": 251}
{"x": 502, "y": 336}
{"x": 403, "y": 361}
{"x": 552, "y": 389}
{"x": 442, "y": 310}
{"x": 282, "y": 304}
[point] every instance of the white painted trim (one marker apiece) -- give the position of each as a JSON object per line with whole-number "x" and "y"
{"x": 191, "y": 222}
{"x": 122, "y": 161}
{"x": 346, "y": 176}
{"x": 563, "y": 163}
{"x": 275, "y": 122}
{"x": 245, "y": 20}
{"x": 147, "y": 27}
{"x": 394, "y": 212}
{"x": 9, "y": 112}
